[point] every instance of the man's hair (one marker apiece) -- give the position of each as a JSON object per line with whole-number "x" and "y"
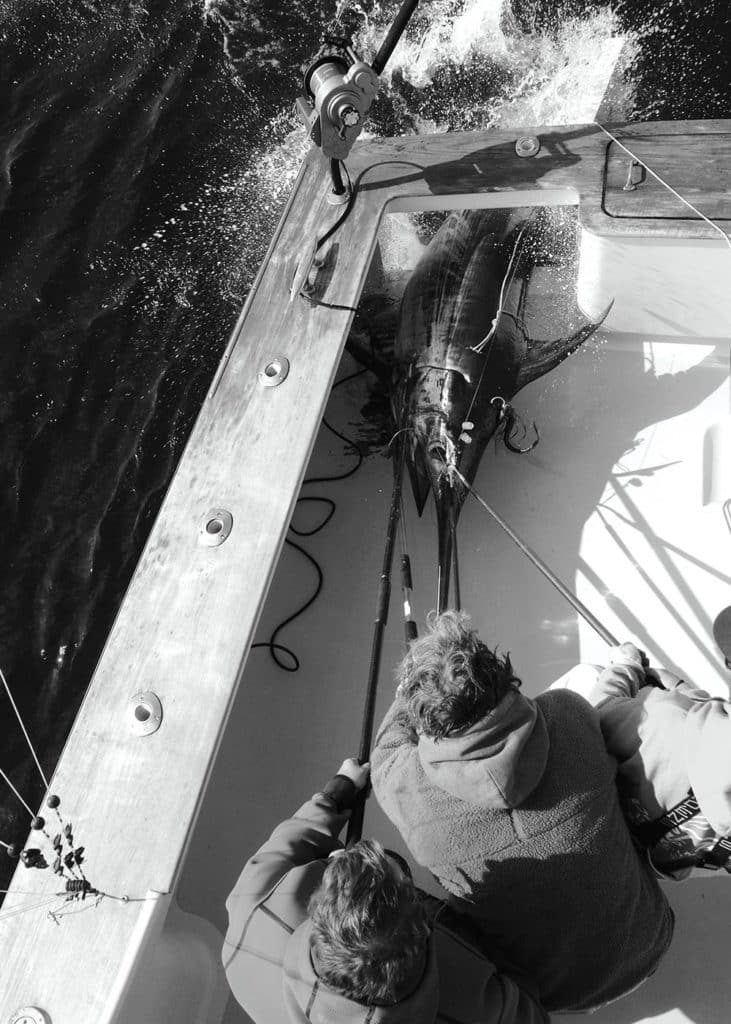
{"x": 369, "y": 931}
{"x": 450, "y": 679}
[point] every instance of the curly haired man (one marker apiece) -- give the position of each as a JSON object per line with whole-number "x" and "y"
{"x": 333, "y": 936}
{"x": 511, "y": 804}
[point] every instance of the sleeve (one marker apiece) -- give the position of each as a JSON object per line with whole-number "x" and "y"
{"x": 623, "y": 676}
{"x": 310, "y": 834}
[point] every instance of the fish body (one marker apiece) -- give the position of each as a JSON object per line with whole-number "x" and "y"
{"x": 461, "y": 353}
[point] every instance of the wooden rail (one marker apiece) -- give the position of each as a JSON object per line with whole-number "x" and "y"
{"x": 189, "y": 616}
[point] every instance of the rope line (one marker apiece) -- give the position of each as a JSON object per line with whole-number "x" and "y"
{"x": 22, "y": 726}
{"x": 696, "y": 211}
{"x": 277, "y": 650}
{"x": 32, "y": 813}
{"x": 507, "y": 280}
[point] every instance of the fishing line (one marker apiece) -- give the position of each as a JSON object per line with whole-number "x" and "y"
{"x": 642, "y": 163}
{"x": 25, "y": 732}
{"x": 507, "y": 280}
{"x": 489, "y": 338}
{"x": 9, "y": 783}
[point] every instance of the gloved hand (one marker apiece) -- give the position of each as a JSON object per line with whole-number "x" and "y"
{"x": 628, "y": 654}
{"x": 358, "y": 773}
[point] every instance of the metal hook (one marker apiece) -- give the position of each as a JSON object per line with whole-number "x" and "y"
{"x": 503, "y": 409}
{"x": 510, "y": 424}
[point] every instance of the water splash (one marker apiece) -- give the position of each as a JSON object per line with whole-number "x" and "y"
{"x": 462, "y": 64}
{"x": 472, "y": 66}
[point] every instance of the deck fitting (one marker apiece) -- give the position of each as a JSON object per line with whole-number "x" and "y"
{"x": 527, "y": 145}
{"x": 145, "y": 713}
{"x": 274, "y": 372}
{"x": 215, "y": 527}
{"x": 29, "y": 1015}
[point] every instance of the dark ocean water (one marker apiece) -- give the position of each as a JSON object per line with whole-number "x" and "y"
{"x": 146, "y": 150}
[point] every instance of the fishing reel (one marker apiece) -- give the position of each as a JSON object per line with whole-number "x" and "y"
{"x": 339, "y": 89}
{"x": 338, "y": 92}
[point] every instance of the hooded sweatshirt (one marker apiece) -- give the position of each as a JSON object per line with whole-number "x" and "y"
{"x": 667, "y": 742}
{"x": 518, "y": 818}
{"x": 267, "y": 955}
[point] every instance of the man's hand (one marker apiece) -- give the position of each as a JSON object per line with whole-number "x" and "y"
{"x": 628, "y": 654}
{"x": 356, "y": 772}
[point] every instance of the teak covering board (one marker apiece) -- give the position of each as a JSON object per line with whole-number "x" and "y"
{"x": 189, "y": 615}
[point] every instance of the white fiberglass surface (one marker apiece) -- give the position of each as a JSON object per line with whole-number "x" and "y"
{"x": 623, "y": 500}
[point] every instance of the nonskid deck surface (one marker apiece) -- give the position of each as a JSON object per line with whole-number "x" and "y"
{"x": 618, "y": 499}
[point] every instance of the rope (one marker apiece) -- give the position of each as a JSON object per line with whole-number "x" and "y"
{"x": 22, "y": 726}
{"x": 696, "y": 211}
{"x": 32, "y": 813}
{"x": 509, "y": 275}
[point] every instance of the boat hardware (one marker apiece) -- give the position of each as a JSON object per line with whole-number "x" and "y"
{"x": 635, "y": 176}
{"x": 528, "y": 145}
{"x": 508, "y": 418}
{"x": 144, "y": 713}
{"x": 302, "y": 271}
{"x": 29, "y": 1015}
{"x": 338, "y": 92}
{"x": 726, "y": 239}
{"x": 410, "y": 629}
{"x": 275, "y": 371}
{"x": 215, "y": 527}
{"x": 355, "y": 824}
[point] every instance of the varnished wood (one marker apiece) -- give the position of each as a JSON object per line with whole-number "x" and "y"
{"x": 698, "y": 167}
{"x": 189, "y": 616}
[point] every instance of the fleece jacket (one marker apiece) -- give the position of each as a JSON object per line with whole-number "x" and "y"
{"x": 519, "y": 819}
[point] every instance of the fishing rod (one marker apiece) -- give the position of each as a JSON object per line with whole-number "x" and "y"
{"x": 355, "y": 824}
{"x": 541, "y": 565}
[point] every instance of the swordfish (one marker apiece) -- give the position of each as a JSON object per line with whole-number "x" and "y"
{"x": 462, "y": 351}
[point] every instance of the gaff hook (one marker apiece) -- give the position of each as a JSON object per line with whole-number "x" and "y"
{"x": 509, "y": 419}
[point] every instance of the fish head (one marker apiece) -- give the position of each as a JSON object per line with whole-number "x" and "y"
{"x": 448, "y": 418}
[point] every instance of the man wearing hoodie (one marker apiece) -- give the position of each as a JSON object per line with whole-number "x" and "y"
{"x": 511, "y": 803}
{"x": 322, "y": 934}
{"x": 673, "y": 748}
